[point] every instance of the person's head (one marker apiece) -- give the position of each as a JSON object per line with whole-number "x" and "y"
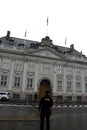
{"x": 47, "y": 93}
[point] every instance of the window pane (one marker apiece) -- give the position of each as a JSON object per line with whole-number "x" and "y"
{"x": 68, "y": 71}
{"x": 78, "y": 71}
{"x": 69, "y": 86}
{"x": 29, "y": 83}
{"x": 3, "y": 81}
{"x": 17, "y": 82}
{"x": 78, "y": 86}
{"x": 59, "y": 70}
{"x": 59, "y": 85}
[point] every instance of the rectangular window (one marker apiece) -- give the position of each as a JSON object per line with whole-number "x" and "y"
{"x": 29, "y": 96}
{"x": 29, "y": 83}
{"x": 78, "y": 87}
{"x": 69, "y": 98}
{"x": 79, "y": 98}
{"x": 78, "y": 71}
{"x": 69, "y": 86}
{"x": 68, "y": 71}
{"x": 17, "y": 82}
{"x": 59, "y": 99}
{"x": 3, "y": 81}
{"x": 16, "y": 95}
{"x": 59, "y": 85}
{"x": 59, "y": 70}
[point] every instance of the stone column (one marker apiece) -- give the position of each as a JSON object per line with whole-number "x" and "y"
{"x": 74, "y": 85}
{"x": 83, "y": 84}
{"x": 36, "y": 77}
{"x": 24, "y": 76}
{"x": 74, "y": 81}
{"x": 64, "y": 89}
{"x": 55, "y": 80}
{"x": 11, "y": 75}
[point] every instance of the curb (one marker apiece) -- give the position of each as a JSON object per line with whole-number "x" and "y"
{"x": 21, "y": 119}
{"x": 30, "y": 118}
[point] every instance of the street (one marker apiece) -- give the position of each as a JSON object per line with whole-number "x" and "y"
{"x": 15, "y": 117}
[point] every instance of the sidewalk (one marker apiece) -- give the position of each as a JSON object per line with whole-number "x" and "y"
{"x": 21, "y": 118}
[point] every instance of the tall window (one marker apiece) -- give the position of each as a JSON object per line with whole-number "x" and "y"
{"x": 29, "y": 83}
{"x": 69, "y": 86}
{"x": 59, "y": 85}
{"x": 78, "y": 71}
{"x": 59, "y": 70}
{"x": 78, "y": 87}
{"x": 69, "y": 71}
{"x": 3, "y": 81}
{"x": 17, "y": 82}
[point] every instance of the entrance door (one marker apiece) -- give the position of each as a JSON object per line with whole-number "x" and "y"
{"x": 44, "y": 86}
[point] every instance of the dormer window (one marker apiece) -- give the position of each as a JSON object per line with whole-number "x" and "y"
{"x": 21, "y": 45}
{"x": 11, "y": 42}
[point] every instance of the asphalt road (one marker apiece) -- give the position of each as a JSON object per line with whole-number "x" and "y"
{"x": 13, "y": 117}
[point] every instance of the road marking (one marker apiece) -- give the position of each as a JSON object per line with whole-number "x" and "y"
{"x": 59, "y": 106}
{"x": 65, "y": 106}
{"x": 80, "y": 106}
{"x": 75, "y": 106}
{"x": 85, "y": 105}
{"x": 70, "y": 105}
{"x": 54, "y": 106}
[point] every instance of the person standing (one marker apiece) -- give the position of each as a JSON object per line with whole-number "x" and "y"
{"x": 45, "y": 104}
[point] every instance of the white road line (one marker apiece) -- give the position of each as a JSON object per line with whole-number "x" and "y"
{"x": 85, "y": 105}
{"x": 80, "y": 106}
{"x": 54, "y": 106}
{"x": 59, "y": 106}
{"x": 65, "y": 106}
{"x": 70, "y": 105}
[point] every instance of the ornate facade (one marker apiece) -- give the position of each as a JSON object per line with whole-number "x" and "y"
{"x": 29, "y": 68}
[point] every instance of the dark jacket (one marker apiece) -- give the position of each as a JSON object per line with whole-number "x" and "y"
{"x": 45, "y": 104}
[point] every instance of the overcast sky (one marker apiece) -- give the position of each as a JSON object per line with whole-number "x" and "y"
{"x": 66, "y": 19}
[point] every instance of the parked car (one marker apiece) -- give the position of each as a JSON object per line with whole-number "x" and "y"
{"x": 4, "y": 96}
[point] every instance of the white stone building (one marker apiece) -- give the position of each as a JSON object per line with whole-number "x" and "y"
{"x": 30, "y": 67}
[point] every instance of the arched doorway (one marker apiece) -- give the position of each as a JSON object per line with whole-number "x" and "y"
{"x": 44, "y": 86}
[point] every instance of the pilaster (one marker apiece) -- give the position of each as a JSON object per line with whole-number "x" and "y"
{"x": 82, "y": 81}
{"x": 11, "y": 75}
{"x": 74, "y": 81}
{"x": 24, "y": 76}
{"x": 64, "y": 89}
{"x": 55, "y": 80}
{"x": 36, "y": 76}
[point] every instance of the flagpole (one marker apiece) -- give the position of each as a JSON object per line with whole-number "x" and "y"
{"x": 25, "y": 36}
{"x": 65, "y": 43}
{"x": 47, "y": 26}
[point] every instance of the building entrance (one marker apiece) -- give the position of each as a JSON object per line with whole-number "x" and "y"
{"x": 44, "y": 86}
